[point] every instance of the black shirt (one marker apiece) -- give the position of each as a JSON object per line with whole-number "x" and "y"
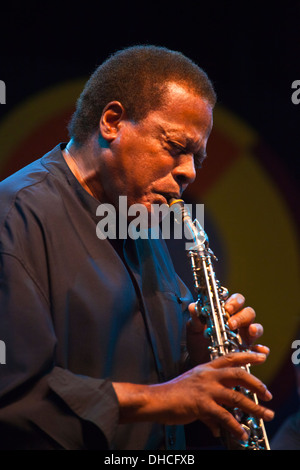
{"x": 76, "y": 314}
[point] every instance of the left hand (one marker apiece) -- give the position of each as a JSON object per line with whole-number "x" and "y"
{"x": 241, "y": 319}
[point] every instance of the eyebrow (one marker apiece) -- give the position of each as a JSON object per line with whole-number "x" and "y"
{"x": 188, "y": 146}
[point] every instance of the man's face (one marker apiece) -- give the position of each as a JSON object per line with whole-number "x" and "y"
{"x": 155, "y": 159}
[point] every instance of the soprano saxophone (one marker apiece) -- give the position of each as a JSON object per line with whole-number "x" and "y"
{"x": 210, "y": 303}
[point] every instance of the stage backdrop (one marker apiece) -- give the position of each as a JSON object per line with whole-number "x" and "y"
{"x": 247, "y": 216}
{"x": 249, "y": 183}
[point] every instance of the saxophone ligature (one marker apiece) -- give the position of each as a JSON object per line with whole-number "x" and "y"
{"x": 210, "y": 304}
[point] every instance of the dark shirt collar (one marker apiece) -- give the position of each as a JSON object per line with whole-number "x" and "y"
{"x": 56, "y": 164}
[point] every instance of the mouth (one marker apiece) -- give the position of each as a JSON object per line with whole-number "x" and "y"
{"x": 168, "y": 196}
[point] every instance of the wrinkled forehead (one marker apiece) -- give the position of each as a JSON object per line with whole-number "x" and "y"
{"x": 183, "y": 110}
{"x": 182, "y": 91}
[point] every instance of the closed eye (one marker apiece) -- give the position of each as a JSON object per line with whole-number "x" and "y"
{"x": 199, "y": 159}
{"x": 177, "y": 149}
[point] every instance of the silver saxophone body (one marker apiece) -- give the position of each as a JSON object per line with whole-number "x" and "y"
{"x": 211, "y": 297}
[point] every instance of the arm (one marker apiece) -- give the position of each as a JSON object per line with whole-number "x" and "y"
{"x": 43, "y": 406}
{"x": 55, "y": 407}
{"x": 198, "y": 394}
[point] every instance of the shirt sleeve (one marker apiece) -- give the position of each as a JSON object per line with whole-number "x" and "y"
{"x": 43, "y": 406}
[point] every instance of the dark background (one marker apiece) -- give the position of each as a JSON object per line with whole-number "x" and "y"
{"x": 251, "y": 51}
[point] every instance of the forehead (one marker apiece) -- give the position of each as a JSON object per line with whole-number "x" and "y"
{"x": 182, "y": 112}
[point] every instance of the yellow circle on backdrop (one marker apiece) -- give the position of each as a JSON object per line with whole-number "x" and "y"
{"x": 254, "y": 222}
{"x": 260, "y": 237}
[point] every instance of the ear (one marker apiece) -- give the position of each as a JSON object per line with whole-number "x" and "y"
{"x": 110, "y": 121}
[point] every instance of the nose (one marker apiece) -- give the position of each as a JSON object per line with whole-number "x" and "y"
{"x": 184, "y": 172}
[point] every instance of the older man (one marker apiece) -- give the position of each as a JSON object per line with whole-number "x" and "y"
{"x": 96, "y": 330}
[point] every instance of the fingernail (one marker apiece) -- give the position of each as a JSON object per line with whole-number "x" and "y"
{"x": 268, "y": 395}
{"x": 239, "y": 299}
{"x": 233, "y": 324}
{"x": 260, "y": 355}
{"x": 265, "y": 348}
{"x": 268, "y": 415}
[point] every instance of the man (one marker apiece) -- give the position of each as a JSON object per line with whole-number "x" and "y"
{"x": 95, "y": 329}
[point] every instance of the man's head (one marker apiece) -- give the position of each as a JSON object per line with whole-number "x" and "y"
{"x": 137, "y": 77}
{"x": 141, "y": 126}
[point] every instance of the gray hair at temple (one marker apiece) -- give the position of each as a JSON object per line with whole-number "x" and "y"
{"x": 136, "y": 77}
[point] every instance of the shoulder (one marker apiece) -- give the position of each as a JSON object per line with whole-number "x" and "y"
{"x": 31, "y": 178}
{"x": 27, "y": 198}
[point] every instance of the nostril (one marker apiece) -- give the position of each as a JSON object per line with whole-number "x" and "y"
{"x": 185, "y": 172}
{"x": 182, "y": 180}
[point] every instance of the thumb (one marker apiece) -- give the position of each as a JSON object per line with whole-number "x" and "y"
{"x": 194, "y": 324}
{"x": 215, "y": 429}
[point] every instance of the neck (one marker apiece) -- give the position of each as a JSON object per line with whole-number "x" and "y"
{"x": 83, "y": 164}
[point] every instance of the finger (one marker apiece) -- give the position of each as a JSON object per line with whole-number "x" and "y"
{"x": 194, "y": 323}
{"x": 212, "y": 423}
{"x": 217, "y": 418}
{"x": 260, "y": 348}
{"x": 234, "y": 303}
{"x": 227, "y": 422}
{"x": 255, "y": 330}
{"x": 234, "y": 399}
{"x": 239, "y": 377}
{"x": 192, "y": 308}
{"x": 215, "y": 429}
{"x": 243, "y": 318}
{"x": 251, "y": 333}
{"x": 238, "y": 359}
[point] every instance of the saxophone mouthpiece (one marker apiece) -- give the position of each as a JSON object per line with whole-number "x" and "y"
{"x": 173, "y": 201}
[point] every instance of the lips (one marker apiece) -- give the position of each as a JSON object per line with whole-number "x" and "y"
{"x": 169, "y": 195}
{"x": 159, "y": 199}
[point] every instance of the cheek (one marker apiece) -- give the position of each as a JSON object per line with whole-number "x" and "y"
{"x": 142, "y": 161}
{"x": 141, "y": 166}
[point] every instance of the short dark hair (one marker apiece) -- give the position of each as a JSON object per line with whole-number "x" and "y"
{"x": 136, "y": 77}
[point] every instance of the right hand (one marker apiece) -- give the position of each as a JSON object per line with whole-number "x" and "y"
{"x": 199, "y": 394}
